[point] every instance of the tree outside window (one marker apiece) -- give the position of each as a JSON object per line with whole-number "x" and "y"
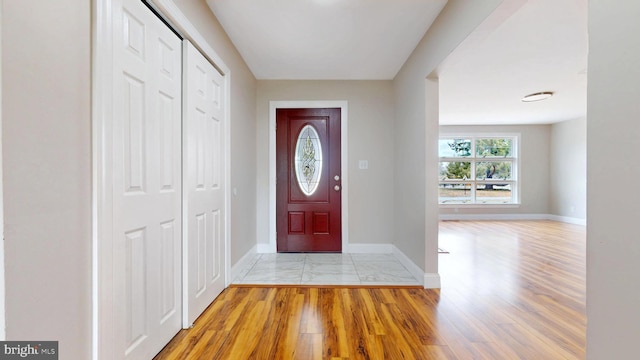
{"x": 477, "y": 170}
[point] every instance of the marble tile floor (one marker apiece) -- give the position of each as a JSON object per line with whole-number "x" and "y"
{"x": 325, "y": 269}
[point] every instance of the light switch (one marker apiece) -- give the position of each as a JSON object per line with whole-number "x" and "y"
{"x": 363, "y": 164}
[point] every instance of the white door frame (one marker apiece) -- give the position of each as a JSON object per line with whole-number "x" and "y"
{"x": 102, "y": 203}
{"x": 273, "y": 105}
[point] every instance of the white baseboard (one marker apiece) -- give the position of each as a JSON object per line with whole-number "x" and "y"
{"x": 431, "y": 281}
{"x": 496, "y": 217}
{"x": 501, "y": 217}
{"x": 265, "y": 249}
{"x": 414, "y": 269}
{"x": 243, "y": 263}
{"x": 568, "y": 220}
{"x": 368, "y": 249}
{"x": 350, "y": 249}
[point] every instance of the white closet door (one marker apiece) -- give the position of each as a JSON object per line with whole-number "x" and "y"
{"x": 204, "y": 183}
{"x": 146, "y": 182}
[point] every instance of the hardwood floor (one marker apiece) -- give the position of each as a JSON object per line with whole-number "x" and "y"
{"x": 510, "y": 290}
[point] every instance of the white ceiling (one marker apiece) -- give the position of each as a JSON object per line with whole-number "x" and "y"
{"x": 325, "y": 39}
{"x": 524, "y": 47}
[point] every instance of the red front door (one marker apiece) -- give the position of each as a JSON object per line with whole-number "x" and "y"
{"x": 309, "y": 182}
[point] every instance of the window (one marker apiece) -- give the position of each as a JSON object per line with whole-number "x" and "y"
{"x": 478, "y": 170}
{"x": 308, "y": 160}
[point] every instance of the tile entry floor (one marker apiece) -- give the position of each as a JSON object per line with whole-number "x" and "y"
{"x": 325, "y": 269}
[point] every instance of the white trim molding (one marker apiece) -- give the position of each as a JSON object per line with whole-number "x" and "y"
{"x": 368, "y": 249}
{"x": 244, "y": 263}
{"x": 265, "y": 249}
{"x": 496, "y": 217}
{"x": 304, "y": 104}
{"x": 568, "y": 220}
{"x": 508, "y": 217}
{"x": 432, "y": 281}
{"x": 103, "y": 336}
{"x": 414, "y": 269}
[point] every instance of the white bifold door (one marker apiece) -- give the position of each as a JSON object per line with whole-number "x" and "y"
{"x": 204, "y": 183}
{"x": 147, "y": 189}
{"x": 168, "y": 185}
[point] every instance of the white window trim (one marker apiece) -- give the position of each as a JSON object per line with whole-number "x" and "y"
{"x": 515, "y": 171}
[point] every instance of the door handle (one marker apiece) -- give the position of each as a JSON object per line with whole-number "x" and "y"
{"x": 336, "y": 188}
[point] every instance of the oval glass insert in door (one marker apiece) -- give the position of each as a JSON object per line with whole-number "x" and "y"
{"x": 308, "y": 160}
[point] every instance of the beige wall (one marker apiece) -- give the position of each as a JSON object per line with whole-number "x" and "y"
{"x": 46, "y": 81}
{"x": 243, "y": 126}
{"x": 613, "y": 199}
{"x": 3, "y": 322}
{"x": 47, "y": 172}
{"x": 534, "y": 171}
{"x": 568, "y": 169}
{"x": 416, "y": 131}
{"x": 370, "y": 137}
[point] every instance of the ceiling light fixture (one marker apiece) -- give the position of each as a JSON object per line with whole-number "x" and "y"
{"x": 539, "y": 96}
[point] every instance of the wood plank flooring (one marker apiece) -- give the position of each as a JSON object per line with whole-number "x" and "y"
{"x": 510, "y": 290}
